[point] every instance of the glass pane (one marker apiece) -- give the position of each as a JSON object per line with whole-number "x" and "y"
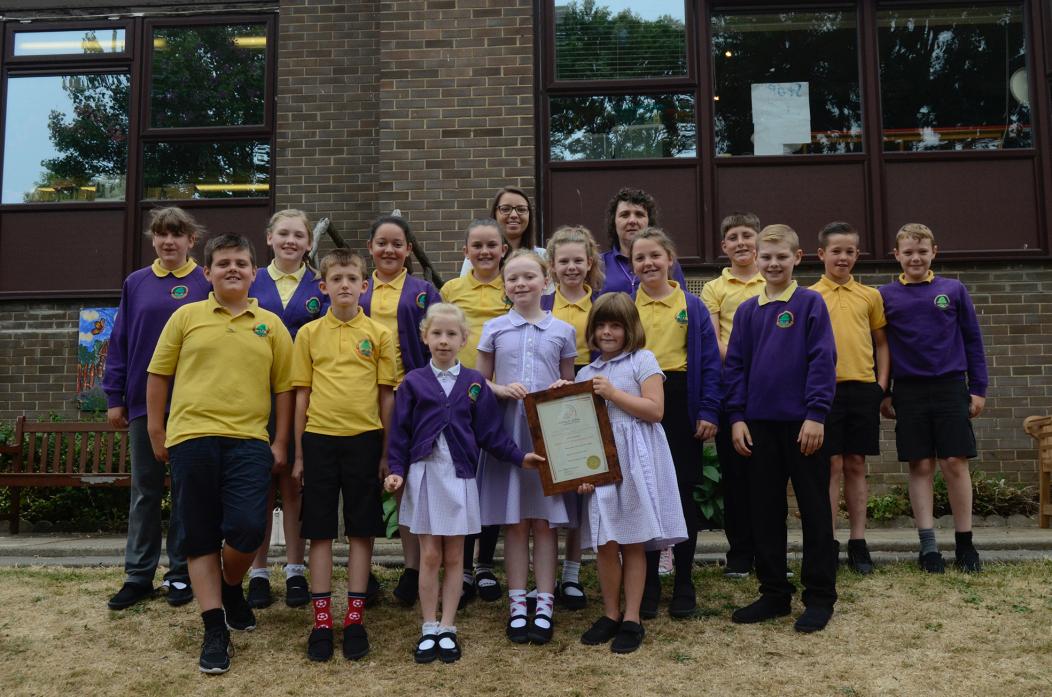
{"x": 231, "y": 169}
{"x": 61, "y": 43}
{"x": 66, "y": 138}
{"x": 623, "y": 127}
{"x": 618, "y": 39}
{"x": 954, "y": 79}
{"x": 230, "y": 60}
{"x": 786, "y": 84}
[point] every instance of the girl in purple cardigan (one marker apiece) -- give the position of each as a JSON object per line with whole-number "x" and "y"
{"x": 444, "y": 412}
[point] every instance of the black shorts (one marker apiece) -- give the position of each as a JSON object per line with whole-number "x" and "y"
{"x": 342, "y": 464}
{"x": 853, "y": 424}
{"x": 931, "y": 419}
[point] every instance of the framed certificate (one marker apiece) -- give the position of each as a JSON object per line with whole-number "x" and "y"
{"x": 571, "y": 430}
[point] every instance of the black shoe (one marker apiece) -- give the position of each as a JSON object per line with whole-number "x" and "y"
{"x": 408, "y": 587}
{"x": 813, "y": 619}
{"x": 684, "y": 602}
{"x": 967, "y": 560}
{"x": 238, "y": 613}
{"x": 518, "y": 635}
{"x": 177, "y": 597}
{"x": 259, "y": 595}
{"x": 571, "y": 601}
{"x": 426, "y": 649}
{"x": 602, "y": 630}
{"x": 836, "y": 553}
{"x": 487, "y": 586}
{"x": 355, "y": 642}
{"x": 765, "y": 608}
{"x": 452, "y": 654}
{"x": 319, "y": 644}
{"x": 737, "y": 571}
{"x": 932, "y": 563}
{"x": 467, "y": 594}
{"x": 629, "y": 638}
{"x": 372, "y": 591}
{"x": 540, "y": 635}
{"x": 129, "y": 594}
{"x": 858, "y": 559}
{"x": 648, "y": 608}
{"x": 297, "y": 592}
{"x": 215, "y": 651}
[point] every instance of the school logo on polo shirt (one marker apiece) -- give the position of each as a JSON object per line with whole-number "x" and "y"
{"x": 681, "y": 318}
{"x": 261, "y": 329}
{"x": 365, "y": 348}
{"x": 313, "y": 305}
{"x": 179, "y": 292}
{"x": 421, "y": 300}
{"x": 785, "y": 319}
{"x": 474, "y": 390}
{"x": 942, "y": 301}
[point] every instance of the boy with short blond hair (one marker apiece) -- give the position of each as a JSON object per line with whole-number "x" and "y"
{"x": 938, "y": 369}
{"x": 852, "y": 431}
{"x": 780, "y": 376}
{"x": 227, "y": 356}
{"x": 344, "y": 373}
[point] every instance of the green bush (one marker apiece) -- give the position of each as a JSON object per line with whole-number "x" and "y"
{"x": 990, "y": 496}
{"x": 708, "y": 494}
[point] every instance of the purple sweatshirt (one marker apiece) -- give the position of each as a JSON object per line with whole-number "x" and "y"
{"x": 933, "y": 332}
{"x": 307, "y": 303}
{"x": 417, "y": 295}
{"x": 147, "y": 301}
{"x": 781, "y": 361}
{"x": 469, "y": 417}
{"x": 620, "y": 277}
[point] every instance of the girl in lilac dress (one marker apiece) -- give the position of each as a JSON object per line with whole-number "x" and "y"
{"x": 525, "y": 351}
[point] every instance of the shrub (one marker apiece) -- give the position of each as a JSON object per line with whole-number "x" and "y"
{"x": 990, "y": 496}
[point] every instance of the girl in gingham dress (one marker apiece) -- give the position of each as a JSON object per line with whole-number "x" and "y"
{"x": 642, "y": 512}
{"x": 524, "y": 351}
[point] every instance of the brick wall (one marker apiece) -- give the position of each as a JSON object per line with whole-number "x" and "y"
{"x": 38, "y": 358}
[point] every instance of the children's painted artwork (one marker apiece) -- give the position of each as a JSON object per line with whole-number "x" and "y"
{"x": 96, "y": 325}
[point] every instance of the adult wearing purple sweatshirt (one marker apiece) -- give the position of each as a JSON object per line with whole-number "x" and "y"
{"x": 148, "y": 298}
{"x": 630, "y": 211}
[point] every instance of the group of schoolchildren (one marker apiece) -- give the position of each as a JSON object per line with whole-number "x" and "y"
{"x": 340, "y": 382}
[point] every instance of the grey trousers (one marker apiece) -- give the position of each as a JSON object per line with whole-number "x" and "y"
{"x": 143, "y": 550}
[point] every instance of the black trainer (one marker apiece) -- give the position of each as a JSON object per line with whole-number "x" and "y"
{"x": 648, "y": 608}
{"x": 932, "y": 563}
{"x": 129, "y": 594}
{"x": 297, "y": 592}
{"x": 858, "y": 559}
{"x": 372, "y": 591}
{"x": 813, "y": 619}
{"x": 967, "y": 560}
{"x": 215, "y": 651}
{"x": 629, "y": 638}
{"x": 408, "y": 587}
{"x": 760, "y": 610}
{"x": 355, "y": 642}
{"x": 602, "y": 630}
{"x": 259, "y": 595}
{"x": 239, "y": 615}
{"x": 319, "y": 644}
{"x": 176, "y": 596}
{"x": 684, "y": 601}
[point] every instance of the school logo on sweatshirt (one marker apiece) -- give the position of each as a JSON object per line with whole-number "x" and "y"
{"x": 785, "y": 319}
{"x": 681, "y": 318}
{"x": 474, "y": 390}
{"x": 313, "y": 305}
{"x": 261, "y": 329}
{"x": 179, "y": 292}
{"x": 421, "y": 300}
{"x": 942, "y": 301}
{"x": 365, "y": 348}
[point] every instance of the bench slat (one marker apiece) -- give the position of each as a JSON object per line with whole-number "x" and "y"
{"x": 122, "y": 464}
{"x": 71, "y": 445}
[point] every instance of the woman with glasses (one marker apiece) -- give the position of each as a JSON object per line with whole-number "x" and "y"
{"x": 513, "y": 212}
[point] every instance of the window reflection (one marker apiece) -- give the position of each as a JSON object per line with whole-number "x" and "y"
{"x": 60, "y": 43}
{"x": 208, "y": 76}
{"x": 954, "y": 79}
{"x": 786, "y": 83}
{"x": 233, "y": 169}
{"x": 66, "y": 138}
{"x": 621, "y": 127}
{"x": 615, "y": 39}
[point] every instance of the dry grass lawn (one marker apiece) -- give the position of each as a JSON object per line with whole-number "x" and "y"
{"x": 896, "y": 633}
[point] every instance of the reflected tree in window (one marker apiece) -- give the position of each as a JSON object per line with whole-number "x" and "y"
{"x": 226, "y": 169}
{"x": 623, "y": 126}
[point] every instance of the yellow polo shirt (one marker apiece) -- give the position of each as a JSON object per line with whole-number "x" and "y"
{"x": 480, "y": 302}
{"x": 855, "y": 311}
{"x": 665, "y": 322}
{"x": 725, "y": 293}
{"x": 576, "y": 315}
{"x": 183, "y": 271}
{"x": 384, "y": 309}
{"x": 286, "y": 283}
{"x": 343, "y": 363}
{"x": 225, "y": 369}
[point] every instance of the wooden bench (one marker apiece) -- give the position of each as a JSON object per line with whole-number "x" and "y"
{"x": 47, "y": 453}
{"x": 1040, "y": 428}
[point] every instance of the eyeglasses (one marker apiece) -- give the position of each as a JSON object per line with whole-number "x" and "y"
{"x": 506, "y": 210}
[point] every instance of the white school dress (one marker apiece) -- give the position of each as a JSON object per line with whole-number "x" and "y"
{"x": 527, "y": 353}
{"x": 436, "y": 501}
{"x": 644, "y": 507}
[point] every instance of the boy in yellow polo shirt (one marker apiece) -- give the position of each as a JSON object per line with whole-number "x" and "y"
{"x": 722, "y": 295}
{"x": 856, "y": 312}
{"x": 343, "y": 370}
{"x": 226, "y": 356}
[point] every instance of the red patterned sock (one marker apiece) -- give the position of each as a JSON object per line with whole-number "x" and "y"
{"x": 355, "y": 609}
{"x": 322, "y": 610}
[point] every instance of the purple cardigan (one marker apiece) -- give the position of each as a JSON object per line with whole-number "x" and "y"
{"x": 620, "y": 277}
{"x": 469, "y": 417}
{"x": 417, "y": 296}
{"x": 147, "y": 302}
{"x": 307, "y": 303}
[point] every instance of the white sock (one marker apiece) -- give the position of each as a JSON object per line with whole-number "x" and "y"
{"x": 571, "y": 574}
{"x": 469, "y": 578}
{"x": 259, "y": 573}
{"x": 545, "y": 608}
{"x": 429, "y": 628}
{"x": 295, "y": 570}
{"x": 517, "y": 606}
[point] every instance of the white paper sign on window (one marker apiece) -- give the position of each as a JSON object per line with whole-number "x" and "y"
{"x": 781, "y": 115}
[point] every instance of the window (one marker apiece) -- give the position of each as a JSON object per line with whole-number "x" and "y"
{"x": 226, "y": 169}
{"x": 64, "y": 43}
{"x": 621, "y": 127}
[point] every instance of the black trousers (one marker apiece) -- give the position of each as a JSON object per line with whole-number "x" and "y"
{"x": 776, "y": 460}
{"x": 737, "y": 520}
{"x": 487, "y": 547}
